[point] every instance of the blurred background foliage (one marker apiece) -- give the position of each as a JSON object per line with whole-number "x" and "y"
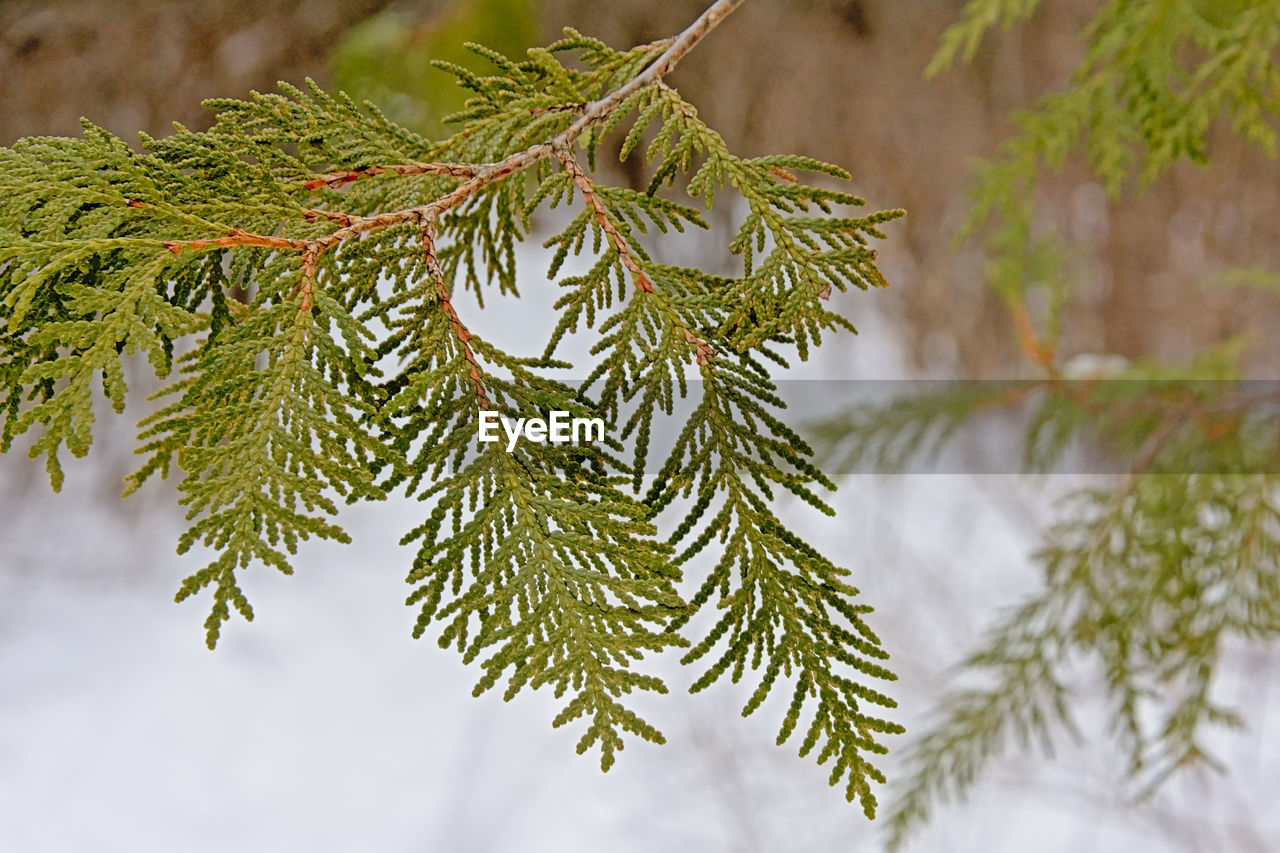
{"x": 387, "y": 58}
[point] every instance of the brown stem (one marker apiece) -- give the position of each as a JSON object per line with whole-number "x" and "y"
{"x": 661, "y": 67}
{"x": 1028, "y": 338}
{"x": 238, "y": 238}
{"x": 702, "y": 350}
{"x": 334, "y": 180}
{"x": 589, "y": 195}
{"x": 1156, "y": 444}
{"x": 313, "y": 215}
{"x": 308, "y": 282}
{"x": 460, "y": 332}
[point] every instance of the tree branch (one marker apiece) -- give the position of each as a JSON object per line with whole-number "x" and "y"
{"x": 460, "y": 332}
{"x": 653, "y": 74}
{"x": 479, "y": 175}
{"x": 592, "y": 114}
{"x": 334, "y": 180}
{"x": 702, "y": 350}
{"x": 589, "y": 195}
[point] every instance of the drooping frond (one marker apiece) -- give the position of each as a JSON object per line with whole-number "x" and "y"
{"x": 292, "y": 275}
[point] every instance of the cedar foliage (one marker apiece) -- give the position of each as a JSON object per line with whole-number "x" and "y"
{"x": 348, "y": 373}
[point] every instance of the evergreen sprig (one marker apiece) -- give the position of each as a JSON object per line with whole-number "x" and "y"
{"x": 291, "y": 273}
{"x": 1156, "y": 79}
{"x": 1148, "y": 577}
{"x": 1152, "y": 576}
{"x": 1151, "y": 583}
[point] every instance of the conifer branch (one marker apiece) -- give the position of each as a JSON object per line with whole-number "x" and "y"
{"x": 584, "y": 184}
{"x": 662, "y": 66}
{"x": 460, "y": 332}
{"x": 240, "y": 239}
{"x": 480, "y": 176}
{"x": 703, "y": 351}
{"x": 312, "y": 215}
{"x": 590, "y": 115}
{"x": 306, "y": 285}
{"x": 350, "y": 373}
{"x": 336, "y": 180}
